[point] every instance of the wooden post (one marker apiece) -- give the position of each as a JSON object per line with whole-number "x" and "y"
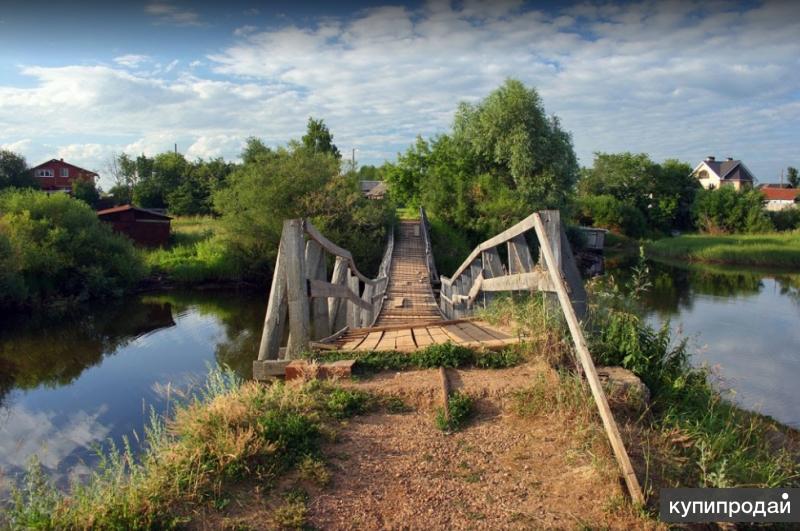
{"x": 475, "y": 270}
{"x": 315, "y": 269}
{"x": 336, "y": 306}
{"x": 519, "y": 255}
{"x": 275, "y": 319}
{"x": 296, "y": 288}
{"x": 577, "y": 292}
{"x": 353, "y": 311}
{"x": 552, "y": 227}
{"x": 445, "y": 393}
{"x": 366, "y": 315}
{"x": 585, "y": 359}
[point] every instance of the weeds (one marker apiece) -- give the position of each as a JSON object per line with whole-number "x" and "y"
{"x": 461, "y": 410}
{"x": 229, "y": 431}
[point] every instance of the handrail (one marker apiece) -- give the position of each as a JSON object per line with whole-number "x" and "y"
{"x": 426, "y": 237}
{"x": 334, "y": 249}
{"x": 383, "y": 273}
{"x": 520, "y": 228}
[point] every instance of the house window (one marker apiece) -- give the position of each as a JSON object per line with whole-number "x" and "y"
{"x": 703, "y": 174}
{"x": 44, "y": 173}
{"x": 65, "y": 172}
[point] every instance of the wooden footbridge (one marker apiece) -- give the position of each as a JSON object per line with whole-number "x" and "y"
{"x": 400, "y": 308}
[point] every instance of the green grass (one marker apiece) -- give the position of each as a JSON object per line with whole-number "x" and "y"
{"x": 230, "y": 432}
{"x": 772, "y": 249}
{"x": 461, "y": 408}
{"x": 439, "y": 355}
{"x": 196, "y": 253}
{"x": 408, "y": 213}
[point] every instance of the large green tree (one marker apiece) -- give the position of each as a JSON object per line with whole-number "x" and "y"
{"x": 792, "y": 177}
{"x": 14, "y": 172}
{"x": 319, "y": 139}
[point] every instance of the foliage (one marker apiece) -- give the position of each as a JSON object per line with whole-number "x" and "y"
{"x": 792, "y": 177}
{"x": 229, "y": 431}
{"x": 630, "y": 192}
{"x": 196, "y": 253}
{"x": 61, "y": 250}
{"x": 14, "y": 172}
{"x": 727, "y": 210}
{"x": 291, "y": 183}
{"x": 786, "y": 219}
{"x": 776, "y": 249}
{"x": 461, "y": 407}
{"x": 318, "y": 138}
{"x": 86, "y": 191}
{"x": 503, "y": 159}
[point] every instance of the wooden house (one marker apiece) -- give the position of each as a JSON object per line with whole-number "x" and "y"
{"x": 56, "y": 176}
{"x": 143, "y": 226}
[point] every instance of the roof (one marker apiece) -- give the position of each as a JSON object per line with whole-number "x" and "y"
{"x": 366, "y": 186}
{"x": 377, "y": 190}
{"x": 781, "y": 194}
{"x": 125, "y": 208}
{"x": 61, "y": 161}
{"x": 728, "y": 170}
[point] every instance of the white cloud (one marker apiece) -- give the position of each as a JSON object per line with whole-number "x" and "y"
{"x": 132, "y": 60}
{"x": 676, "y": 80}
{"x": 244, "y": 30}
{"x": 166, "y": 13}
{"x": 20, "y": 146}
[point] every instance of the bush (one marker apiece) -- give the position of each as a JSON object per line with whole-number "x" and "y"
{"x": 787, "y": 219}
{"x": 61, "y": 250}
{"x": 727, "y": 210}
{"x": 609, "y": 212}
{"x": 461, "y": 408}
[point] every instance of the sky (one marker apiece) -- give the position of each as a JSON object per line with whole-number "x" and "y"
{"x": 84, "y": 80}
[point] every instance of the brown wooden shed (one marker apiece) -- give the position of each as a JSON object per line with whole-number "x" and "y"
{"x": 143, "y": 226}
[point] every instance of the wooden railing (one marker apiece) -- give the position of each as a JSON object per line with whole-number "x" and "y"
{"x": 486, "y": 271}
{"x": 425, "y": 228}
{"x": 302, "y": 298}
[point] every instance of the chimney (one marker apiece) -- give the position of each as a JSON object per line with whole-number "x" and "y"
{"x": 710, "y": 158}
{"x": 62, "y": 160}
{"x": 729, "y": 159}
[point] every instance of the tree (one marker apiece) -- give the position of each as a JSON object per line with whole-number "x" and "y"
{"x": 86, "y": 191}
{"x": 14, "y": 172}
{"x": 728, "y": 210}
{"x": 319, "y": 139}
{"x": 404, "y": 178}
{"x": 512, "y": 138}
{"x": 793, "y": 177}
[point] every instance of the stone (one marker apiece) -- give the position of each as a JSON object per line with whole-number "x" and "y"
{"x": 622, "y": 386}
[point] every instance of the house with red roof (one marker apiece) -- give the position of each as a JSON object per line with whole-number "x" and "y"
{"x": 780, "y": 198}
{"x": 56, "y": 176}
{"x": 713, "y": 174}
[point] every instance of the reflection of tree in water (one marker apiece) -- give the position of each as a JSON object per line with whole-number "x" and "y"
{"x": 53, "y": 349}
{"x": 789, "y": 286}
{"x": 675, "y": 287}
{"x": 241, "y": 316}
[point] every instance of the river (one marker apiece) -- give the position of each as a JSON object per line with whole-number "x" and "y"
{"x": 72, "y": 381}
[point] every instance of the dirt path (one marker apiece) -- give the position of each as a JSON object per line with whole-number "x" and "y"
{"x": 398, "y": 471}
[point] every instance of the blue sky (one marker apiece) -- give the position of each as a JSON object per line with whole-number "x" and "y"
{"x": 673, "y": 79}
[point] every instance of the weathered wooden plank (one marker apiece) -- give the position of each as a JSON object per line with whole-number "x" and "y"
{"x": 577, "y": 292}
{"x": 519, "y": 255}
{"x": 422, "y": 337}
{"x": 366, "y": 297}
{"x": 371, "y": 341}
{"x": 336, "y": 305}
{"x": 353, "y": 302}
{"x": 585, "y": 358}
{"x": 456, "y": 335}
{"x": 296, "y": 288}
{"x": 551, "y": 219}
{"x": 492, "y": 264}
{"x": 437, "y": 334}
{"x": 388, "y": 341}
{"x": 268, "y": 369}
{"x": 535, "y": 280}
{"x": 405, "y": 340}
{"x": 332, "y": 248}
{"x": 475, "y": 332}
{"x": 277, "y": 311}
{"x": 315, "y": 270}
{"x": 322, "y": 289}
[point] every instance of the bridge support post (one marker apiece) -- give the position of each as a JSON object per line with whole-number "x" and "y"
{"x": 336, "y": 306}
{"x": 296, "y": 288}
{"x": 315, "y": 269}
{"x": 277, "y": 307}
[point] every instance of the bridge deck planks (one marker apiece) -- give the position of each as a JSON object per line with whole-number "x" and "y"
{"x": 410, "y": 317}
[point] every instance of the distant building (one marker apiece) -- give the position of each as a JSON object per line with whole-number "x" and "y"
{"x": 373, "y": 189}
{"x": 780, "y": 198}
{"x": 56, "y": 176}
{"x": 714, "y": 174}
{"x": 143, "y": 226}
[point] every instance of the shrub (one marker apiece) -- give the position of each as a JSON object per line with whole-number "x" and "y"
{"x": 729, "y": 210}
{"x": 461, "y": 408}
{"x": 62, "y": 250}
{"x": 609, "y": 212}
{"x": 787, "y": 219}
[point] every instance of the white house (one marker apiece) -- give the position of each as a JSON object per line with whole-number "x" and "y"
{"x": 780, "y": 198}
{"x": 713, "y": 173}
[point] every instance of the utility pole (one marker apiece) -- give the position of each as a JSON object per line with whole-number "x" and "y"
{"x": 176, "y": 149}
{"x": 353, "y": 160}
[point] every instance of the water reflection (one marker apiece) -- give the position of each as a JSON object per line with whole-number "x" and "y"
{"x": 70, "y": 380}
{"x": 743, "y": 322}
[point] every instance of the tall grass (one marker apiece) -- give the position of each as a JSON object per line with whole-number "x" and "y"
{"x": 196, "y": 253}
{"x": 228, "y": 432}
{"x": 773, "y": 249}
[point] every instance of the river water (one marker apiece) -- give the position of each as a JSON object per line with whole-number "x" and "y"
{"x": 73, "y": 381}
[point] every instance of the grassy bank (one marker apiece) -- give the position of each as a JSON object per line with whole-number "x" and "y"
{"x": 196, "y": 253}
{"x": 232, "y": 435}
{"x": 769, "y": 250}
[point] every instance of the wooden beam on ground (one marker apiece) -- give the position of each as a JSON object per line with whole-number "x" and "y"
{"x": 609, "y": 423}
{"x": 445, "y": 393}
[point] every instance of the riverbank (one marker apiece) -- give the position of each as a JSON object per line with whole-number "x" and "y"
{"x": 765, "y": 250}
